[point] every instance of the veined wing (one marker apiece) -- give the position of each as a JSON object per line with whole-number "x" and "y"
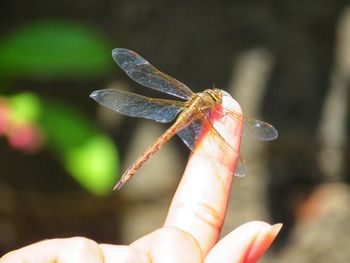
{"x": 257, "y": 129}
{"x": 135, "y": 105}
{"x": 193, "y": 133}
{"x": 141, "y": 71}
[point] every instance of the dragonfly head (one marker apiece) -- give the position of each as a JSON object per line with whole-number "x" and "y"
{"x": 215, "y": 94}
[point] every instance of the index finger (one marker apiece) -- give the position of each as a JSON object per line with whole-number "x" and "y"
{"x": 200, "y": 202}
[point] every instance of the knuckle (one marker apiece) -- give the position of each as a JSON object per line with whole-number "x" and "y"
{"x": 82, "y": 243}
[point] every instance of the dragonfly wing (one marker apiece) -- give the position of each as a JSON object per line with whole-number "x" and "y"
{"x": 257, "y": 129}
{"x": 190, "y": 134}
{"x": 135, "y": 105}
{"x": 215, "y": 143}
{"x": 141, "y": 71}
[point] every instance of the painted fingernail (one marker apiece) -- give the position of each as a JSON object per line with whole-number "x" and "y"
{"x": 262, "y": 242}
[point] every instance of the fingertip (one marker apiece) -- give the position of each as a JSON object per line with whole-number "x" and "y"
{"x": 229, "y": 122}
{"x": 247, "y": 243}
{"x": 219, "y": 143}
{"x": 262, "y": 242}
{"x": 230, "y": 103}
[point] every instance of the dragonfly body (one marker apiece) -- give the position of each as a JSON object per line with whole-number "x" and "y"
{"x": 190, "y": 115}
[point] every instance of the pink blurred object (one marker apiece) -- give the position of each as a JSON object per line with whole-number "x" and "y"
{"x": 22, "y": 136}
{"x": 4, "y": 116}
{"x": 26, "y": 137}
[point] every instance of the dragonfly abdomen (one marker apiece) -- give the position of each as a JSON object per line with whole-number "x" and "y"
{"x": 147, "y": 154}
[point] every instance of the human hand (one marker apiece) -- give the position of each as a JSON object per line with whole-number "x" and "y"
{"x": 192, "y": 227}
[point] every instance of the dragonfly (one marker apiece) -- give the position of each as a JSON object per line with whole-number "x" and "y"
{"x": 193, "y": 112}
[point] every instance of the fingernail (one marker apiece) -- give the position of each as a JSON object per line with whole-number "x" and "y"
{"x": 262, "y": 242}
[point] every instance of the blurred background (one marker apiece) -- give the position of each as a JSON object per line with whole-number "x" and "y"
{"x": 286, "y": 62}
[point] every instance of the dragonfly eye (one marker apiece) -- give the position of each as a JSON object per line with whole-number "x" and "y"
{"x": 215, "y": 94}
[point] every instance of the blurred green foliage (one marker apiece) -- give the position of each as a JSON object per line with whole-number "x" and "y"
{"x": 87, "y": 154}
{"x": 25, "y": 107}
{"x": 54, "y": 48}
{"x": 60, "y": 49}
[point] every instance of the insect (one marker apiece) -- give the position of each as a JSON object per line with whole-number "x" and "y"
{"x": 190, "y": 114}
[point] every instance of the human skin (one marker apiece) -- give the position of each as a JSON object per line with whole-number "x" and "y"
{"x": 193, "y": 224}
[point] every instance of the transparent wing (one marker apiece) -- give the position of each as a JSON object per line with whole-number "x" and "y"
{"x": 135, "y": 105}
{"x": 258, "y": 129}
{"x": 141, "y": 71}
{"x": 192, "y": 134}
